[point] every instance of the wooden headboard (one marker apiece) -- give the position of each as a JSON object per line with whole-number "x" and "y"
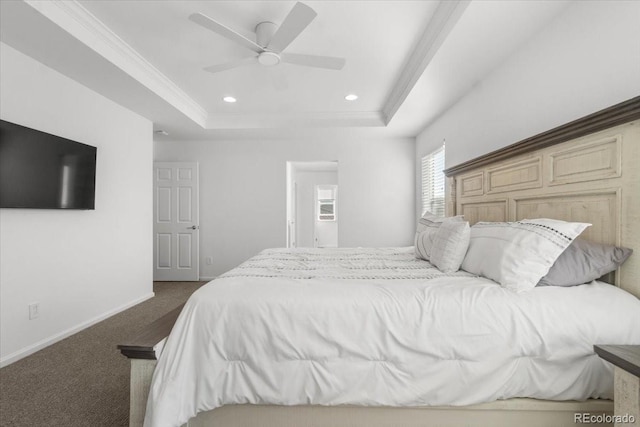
{"x": 585, "y": 171}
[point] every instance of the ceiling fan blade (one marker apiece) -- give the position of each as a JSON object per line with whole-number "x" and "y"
{"x": 296, "y": 21}
{"x": 224, "y": 31}
{"x": 328, "y": 62}
{"x": 233, "y": 64}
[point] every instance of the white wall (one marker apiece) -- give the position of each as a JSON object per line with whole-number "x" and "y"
{"x": 81, "y": 266}
{"x": 243, "y": 192}
{"x": 585, "y": 60}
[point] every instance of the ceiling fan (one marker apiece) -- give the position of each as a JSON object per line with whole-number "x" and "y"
{"x": 270, "y": 42}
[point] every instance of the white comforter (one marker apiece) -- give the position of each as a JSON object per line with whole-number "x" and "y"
{"x": 378, "y": 327}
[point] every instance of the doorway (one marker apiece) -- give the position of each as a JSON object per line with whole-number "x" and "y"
{"x": 312, "y": 204}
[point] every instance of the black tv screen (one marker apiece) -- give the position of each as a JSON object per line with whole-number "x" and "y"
{"x": 43, "y": 171}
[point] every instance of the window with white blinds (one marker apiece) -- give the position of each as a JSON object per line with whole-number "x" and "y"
{"x": 433, "y": 182}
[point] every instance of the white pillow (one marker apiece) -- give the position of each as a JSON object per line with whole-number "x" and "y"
{"x": 426, "y": 230}
{"x": 518, "y": 254}
{"x": 450, "y": 245}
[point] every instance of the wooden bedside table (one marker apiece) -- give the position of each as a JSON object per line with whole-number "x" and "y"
{"x": 626, "y": 398}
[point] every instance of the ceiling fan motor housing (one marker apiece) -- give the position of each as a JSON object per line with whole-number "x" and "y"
{"x": 264, "y": 32}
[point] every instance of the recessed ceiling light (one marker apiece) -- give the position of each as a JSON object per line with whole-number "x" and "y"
{"x": 230, "y": 99}
{"x": 161, "y": 132}
{"x": 351, "y": 97}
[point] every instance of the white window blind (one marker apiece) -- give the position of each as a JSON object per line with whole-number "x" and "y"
{"x": 433, "y": 182}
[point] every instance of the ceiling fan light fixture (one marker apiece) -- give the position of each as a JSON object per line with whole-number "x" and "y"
{"x": 269, "y": 58}
{"x": 229, "y": 99}
{"x": 351, "y": 97}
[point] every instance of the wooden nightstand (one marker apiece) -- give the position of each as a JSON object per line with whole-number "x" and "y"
{"x": 626, "y": 398}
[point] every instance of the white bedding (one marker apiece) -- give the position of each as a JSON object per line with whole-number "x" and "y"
{"x": 379, "y": 327}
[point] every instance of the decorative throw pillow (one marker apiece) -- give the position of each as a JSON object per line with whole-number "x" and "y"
{"x": 426, "y": 230}
{"x": 450, "y": 244}
{"x": 584, "y": 261}
{"x": 518, "y": 254}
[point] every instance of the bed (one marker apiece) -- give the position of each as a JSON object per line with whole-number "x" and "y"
{"x": 488, "y": 355}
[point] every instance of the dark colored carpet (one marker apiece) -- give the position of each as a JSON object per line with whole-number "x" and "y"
{"x": 83, "y": 380}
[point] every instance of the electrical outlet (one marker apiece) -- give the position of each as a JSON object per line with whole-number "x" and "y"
{"x": 34, "y": 310}
{"x": 209, "y": 260}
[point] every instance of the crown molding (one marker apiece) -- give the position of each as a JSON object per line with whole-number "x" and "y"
{"x": 296, "y": 120}
{"x": 442, "y": 22}
{"x": 84, "y": 26}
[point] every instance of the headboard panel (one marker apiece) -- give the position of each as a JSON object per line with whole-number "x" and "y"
{"x": 593, "y": 178}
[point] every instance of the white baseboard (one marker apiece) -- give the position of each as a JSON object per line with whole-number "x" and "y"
{"x": 24, "y": 352}
{"x": 207, "y": 278}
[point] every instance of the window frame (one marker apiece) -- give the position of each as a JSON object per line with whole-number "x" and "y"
{"x": 433, "y": 182}
{"x": 326, "y": 216}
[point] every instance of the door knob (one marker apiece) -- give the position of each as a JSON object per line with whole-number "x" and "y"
{"x": 193, "y": 227}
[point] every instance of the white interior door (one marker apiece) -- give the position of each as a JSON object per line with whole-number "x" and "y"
{"x": 293, "y": 243}
{"x": 175, "y": 221}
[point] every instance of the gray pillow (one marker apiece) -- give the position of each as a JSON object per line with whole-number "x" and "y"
{"x": 584, "y": 261}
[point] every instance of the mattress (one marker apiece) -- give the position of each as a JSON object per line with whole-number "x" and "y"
{"x": 380, "y": 327}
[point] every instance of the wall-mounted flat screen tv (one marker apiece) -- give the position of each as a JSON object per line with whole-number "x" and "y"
{"x": 43, "y": 171}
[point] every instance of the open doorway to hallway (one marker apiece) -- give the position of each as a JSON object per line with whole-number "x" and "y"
{"x": 312, "y": 204}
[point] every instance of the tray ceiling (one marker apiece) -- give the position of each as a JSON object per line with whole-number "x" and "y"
{"x": 407, "y": 61}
